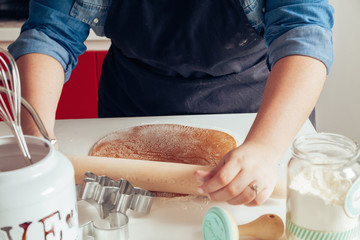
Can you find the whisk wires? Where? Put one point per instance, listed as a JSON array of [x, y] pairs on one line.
[[10, 110]]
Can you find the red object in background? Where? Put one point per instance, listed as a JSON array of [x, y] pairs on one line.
[[79, 96]]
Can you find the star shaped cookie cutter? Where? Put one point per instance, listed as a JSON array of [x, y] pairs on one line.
[[102, 205]]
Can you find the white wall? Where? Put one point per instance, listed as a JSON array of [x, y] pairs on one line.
[[338, 109]]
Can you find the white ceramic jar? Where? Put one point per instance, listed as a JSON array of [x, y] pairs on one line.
[[37, 202]]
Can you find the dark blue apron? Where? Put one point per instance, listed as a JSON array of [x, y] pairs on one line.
[[173, 57]]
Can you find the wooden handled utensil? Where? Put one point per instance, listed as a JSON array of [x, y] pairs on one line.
[[219, 224], [150, 175]]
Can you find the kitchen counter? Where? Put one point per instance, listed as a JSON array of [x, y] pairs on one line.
[[10, 30], [181, 218]]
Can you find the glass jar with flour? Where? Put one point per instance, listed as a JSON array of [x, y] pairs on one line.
[[323, 187]]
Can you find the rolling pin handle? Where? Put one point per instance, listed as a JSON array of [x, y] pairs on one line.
[[219, 224]]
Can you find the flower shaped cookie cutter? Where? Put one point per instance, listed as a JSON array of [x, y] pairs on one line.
[[102, 205]]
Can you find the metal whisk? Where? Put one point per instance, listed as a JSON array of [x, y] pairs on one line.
[[10, 109]]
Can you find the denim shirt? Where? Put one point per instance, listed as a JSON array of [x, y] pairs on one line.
[[290, 27]]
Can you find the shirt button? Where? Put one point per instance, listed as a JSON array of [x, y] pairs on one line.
[[263, 10], [96, 20]]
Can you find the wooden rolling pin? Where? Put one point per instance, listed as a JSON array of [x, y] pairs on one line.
[[150, 175]]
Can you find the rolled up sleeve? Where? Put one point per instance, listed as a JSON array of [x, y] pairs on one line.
[[299, 28], [52, 31]]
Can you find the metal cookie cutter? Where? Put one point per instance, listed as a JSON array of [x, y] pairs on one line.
[[110, 199], [141, 201], [115, 226]]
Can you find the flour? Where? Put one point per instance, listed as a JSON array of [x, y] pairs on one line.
[[317, 198]]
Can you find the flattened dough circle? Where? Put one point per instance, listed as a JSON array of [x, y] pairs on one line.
[[166, 142]]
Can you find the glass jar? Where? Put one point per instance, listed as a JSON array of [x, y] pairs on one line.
[[38, 201], [323, 185]]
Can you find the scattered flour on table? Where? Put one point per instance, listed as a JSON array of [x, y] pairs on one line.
[[187, 203]]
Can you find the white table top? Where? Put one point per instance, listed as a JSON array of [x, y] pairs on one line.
[[176, 218]]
